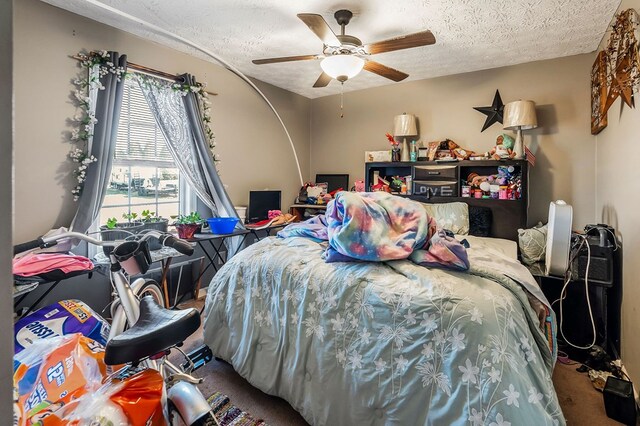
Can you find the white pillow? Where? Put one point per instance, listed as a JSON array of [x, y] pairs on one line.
[[533, 243], [451, 216]]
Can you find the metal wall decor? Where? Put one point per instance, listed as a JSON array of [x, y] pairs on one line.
[[616, 69], [493, 112], [599, 93]]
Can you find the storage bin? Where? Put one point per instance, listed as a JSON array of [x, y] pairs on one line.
[[435, 172]]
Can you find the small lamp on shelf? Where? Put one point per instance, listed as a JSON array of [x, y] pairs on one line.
[[519, 116], [404, 125]]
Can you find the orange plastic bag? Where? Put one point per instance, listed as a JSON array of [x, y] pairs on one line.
[[61, 381], [129, 397]]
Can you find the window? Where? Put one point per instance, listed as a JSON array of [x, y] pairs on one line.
[[144, 175]]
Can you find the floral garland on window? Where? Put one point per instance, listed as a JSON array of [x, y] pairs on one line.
[[94, 65], [205, 108]]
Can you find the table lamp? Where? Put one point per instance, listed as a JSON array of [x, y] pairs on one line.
[[404, 125], [519, 116]]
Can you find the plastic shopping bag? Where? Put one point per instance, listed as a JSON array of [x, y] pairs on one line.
[[51, 373], [132, 396]]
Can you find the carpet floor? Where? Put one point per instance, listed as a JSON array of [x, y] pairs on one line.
[[581, 403]]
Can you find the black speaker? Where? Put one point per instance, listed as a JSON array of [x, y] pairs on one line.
[[601, 267], [619, 402]]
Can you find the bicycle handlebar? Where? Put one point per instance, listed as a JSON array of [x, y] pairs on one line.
[[166, 239], [176, 243], [37, 243]]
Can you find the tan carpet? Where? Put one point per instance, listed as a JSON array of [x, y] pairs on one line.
[[581, 404]]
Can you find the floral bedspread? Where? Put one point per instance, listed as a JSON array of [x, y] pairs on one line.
[[383, 343]]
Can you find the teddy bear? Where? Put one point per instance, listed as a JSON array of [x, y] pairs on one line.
[[503, 149]]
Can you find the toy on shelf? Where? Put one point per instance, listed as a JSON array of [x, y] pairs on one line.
[[395, 147], [503, 148], [393, 184], [448, 150], [505, 185]]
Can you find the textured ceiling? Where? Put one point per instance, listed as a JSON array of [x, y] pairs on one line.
[[470, 34]]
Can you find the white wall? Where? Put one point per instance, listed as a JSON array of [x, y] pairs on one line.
[[562, 143], [254, 149], [6, 208], [617, 204]]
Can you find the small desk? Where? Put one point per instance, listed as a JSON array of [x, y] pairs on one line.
[[212, 252]]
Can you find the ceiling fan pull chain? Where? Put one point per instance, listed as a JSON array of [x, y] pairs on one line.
[[342, 99]]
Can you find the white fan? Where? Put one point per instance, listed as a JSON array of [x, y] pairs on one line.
[[558, 238]]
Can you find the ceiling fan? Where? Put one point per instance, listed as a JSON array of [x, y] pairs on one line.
[[344, 56]]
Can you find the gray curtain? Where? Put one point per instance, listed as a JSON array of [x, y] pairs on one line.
[[213, 183], [180, 120], [102, 146]]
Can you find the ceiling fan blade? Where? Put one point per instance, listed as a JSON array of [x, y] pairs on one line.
[[408, 41], [286, 59], [384, 71], [323, 80], [319, 26]]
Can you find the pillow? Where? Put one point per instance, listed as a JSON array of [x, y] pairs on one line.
[[533, 243], [480, 219], [451, 216]]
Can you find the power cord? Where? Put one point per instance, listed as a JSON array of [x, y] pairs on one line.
[[563, 293]]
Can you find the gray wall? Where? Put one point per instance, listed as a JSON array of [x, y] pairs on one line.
[[617, 203], [6, 207], [254, 149], [444, 106]]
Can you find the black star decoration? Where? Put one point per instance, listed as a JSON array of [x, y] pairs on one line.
[[493, 112]]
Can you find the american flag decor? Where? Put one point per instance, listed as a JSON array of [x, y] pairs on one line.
[[529, 156]]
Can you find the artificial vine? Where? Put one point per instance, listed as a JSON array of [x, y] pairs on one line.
[[94, 65], [205, 108]]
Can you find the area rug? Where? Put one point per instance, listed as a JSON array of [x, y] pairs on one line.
[[229, 414]]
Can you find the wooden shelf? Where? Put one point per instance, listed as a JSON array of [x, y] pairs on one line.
[[508, 215]]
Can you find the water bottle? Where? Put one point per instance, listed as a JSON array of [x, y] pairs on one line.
[[413, 156]]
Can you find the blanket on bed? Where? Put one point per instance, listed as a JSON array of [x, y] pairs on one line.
[[384, 343], [378, 226]]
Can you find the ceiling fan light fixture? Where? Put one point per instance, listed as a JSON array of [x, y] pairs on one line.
[[342, 67]]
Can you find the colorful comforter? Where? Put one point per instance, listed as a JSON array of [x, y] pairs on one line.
[[377, 226], [384, 343]]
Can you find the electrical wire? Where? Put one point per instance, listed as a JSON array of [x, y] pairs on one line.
[[213, 56], [563, 295]]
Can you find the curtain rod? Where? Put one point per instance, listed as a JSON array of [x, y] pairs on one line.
[[150, 71]]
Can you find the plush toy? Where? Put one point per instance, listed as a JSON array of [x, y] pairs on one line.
[[505, 175], [503, 148], [475, 180]]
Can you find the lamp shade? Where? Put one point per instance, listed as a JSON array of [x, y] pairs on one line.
[[520, 115], [342, 67], [404, 125]]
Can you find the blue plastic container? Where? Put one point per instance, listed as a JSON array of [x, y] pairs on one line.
[[222, 225]]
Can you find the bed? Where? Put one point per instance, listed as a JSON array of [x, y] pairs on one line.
[[387, 343]]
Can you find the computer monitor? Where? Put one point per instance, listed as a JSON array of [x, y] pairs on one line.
[[334, 181], [260, 202]]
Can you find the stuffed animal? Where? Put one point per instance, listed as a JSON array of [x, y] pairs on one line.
[[503, 148], [475, 180]]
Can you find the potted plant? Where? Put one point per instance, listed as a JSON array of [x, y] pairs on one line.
[[114, 230], [187, 225]]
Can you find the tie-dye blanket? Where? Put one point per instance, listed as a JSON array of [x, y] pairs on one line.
[[377, 226]]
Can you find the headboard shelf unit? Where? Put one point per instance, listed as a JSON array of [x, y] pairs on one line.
[[434, 182]]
